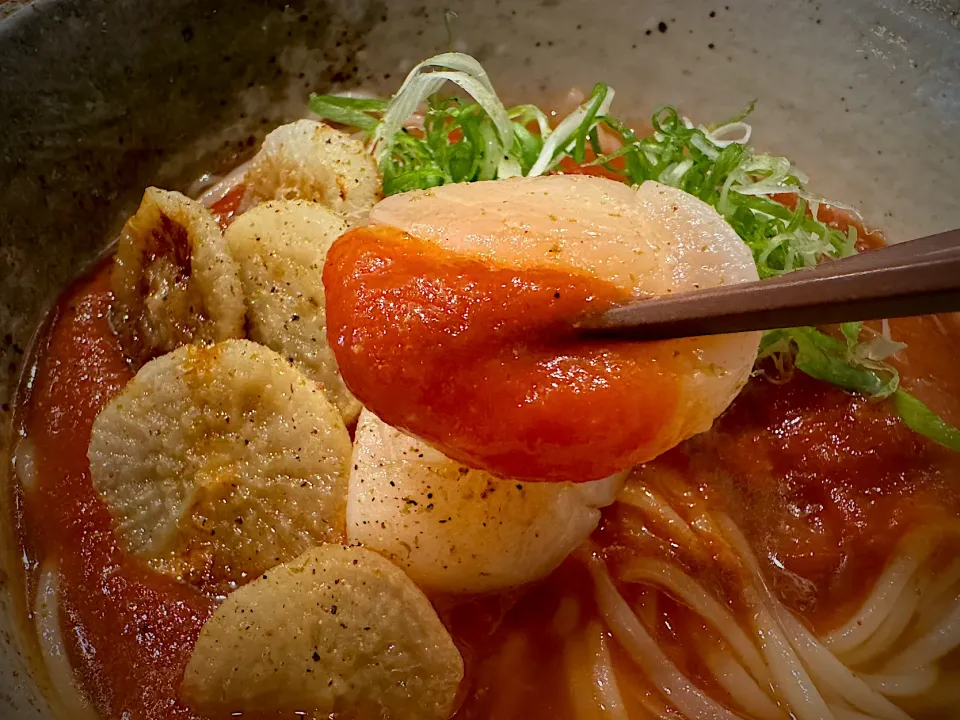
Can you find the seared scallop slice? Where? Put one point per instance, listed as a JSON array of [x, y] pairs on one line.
[[219, 462], [308, 160], [173, 281], [472, 282], [650, 241], [281, 246], [337, 630], [454, 529]]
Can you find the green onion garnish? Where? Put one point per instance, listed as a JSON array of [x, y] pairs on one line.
[[460, 140]]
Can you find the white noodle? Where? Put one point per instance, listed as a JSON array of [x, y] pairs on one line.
[[843, 713], [655, 707], [943, 582], [937, 642], [24, 464], [580, 689], [790, 676], [882, 598], [938, 599], [908, 684], [712, 610], [47, 619], [832, 673], [514, 654], [634, 638], [646, 605], [592, 684], [823, 664], [604, 679], [660, 512], [806, 672], [741, 687], [890, 629], [944, 695]]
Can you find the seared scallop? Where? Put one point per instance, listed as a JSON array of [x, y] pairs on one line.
[[454, 529], [308, 160], [337, 630], [174, 282], [450, 315], [281, 246], [219, 462]]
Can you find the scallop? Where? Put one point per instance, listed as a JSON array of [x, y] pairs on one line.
[[308, 160], [336, 631], [458, 530], [219, 462], [460, 274], [174, 282], [650, 240], [281, 246]]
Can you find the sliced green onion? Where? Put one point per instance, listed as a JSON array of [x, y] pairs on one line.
[[824, 358], [467, 141], [572, 129], [921, 419], [355, 112]]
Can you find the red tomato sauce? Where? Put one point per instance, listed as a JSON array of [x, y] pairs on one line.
[[228, 207], [466, 354], [614, 170], [823, 483], [128, 630]]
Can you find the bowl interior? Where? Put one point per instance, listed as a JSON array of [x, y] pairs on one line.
[[99, 99]]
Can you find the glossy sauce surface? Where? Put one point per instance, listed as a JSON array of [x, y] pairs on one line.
[[473, 357], [829, 482], [228, 207], [823, 483], [128, 630]]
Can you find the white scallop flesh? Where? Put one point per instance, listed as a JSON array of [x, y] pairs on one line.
[[649, 240], [281, 247], [336, 632], [308, 160], [173, 280], [459, 530], [221, 461]]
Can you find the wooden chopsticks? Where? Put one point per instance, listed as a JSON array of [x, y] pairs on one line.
[[917, 277]]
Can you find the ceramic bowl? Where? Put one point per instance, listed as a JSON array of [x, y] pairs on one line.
[[99, 98]]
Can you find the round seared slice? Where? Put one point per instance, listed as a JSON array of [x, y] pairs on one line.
[[218, 462], [173, 281], [308, 160], [337, 630], [451, 311], [454, 529], [281, 246]]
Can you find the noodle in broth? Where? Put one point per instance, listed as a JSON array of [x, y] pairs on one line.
[[796, 560]]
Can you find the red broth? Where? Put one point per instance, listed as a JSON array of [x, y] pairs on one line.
[[129, 631], [823, 483]]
